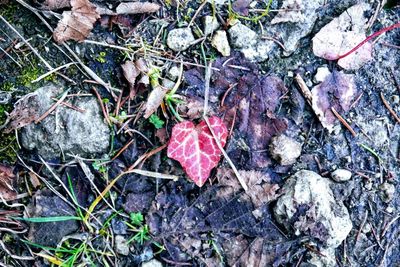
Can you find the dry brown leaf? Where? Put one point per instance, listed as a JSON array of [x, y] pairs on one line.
[[137, 8], [131, 72], [154, 100], [77, 23], [56, 4], [25, 111], [6, 179], [261, 190]]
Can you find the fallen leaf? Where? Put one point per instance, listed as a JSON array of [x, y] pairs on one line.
[[6, 179], [341, 35], [192, 108], [261, 189], [55, 4], [338, 90], [154, 100], [130, 73], [137, 8], [195, 148], [25, 111], [241, 7], [77, 23]]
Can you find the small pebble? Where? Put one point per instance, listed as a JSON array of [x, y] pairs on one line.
[[210, 24], [341, 175], [121, 245]]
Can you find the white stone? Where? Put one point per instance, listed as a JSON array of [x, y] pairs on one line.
[[210, 24], [284, 149], [180, 39], [220, 42], [341, 175], [321, 74], [217, 2]]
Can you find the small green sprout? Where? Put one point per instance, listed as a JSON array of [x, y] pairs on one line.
[[136, 218], [156, 121], [101, 57]]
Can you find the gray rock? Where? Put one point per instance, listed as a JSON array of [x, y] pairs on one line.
[[242, 36], [210, 24], [220, 42], [309, 207], [329, 259], [284, 149], [46, 204], [341, 175], [121, 245], [180, 39], [66, 130], [152, 263]]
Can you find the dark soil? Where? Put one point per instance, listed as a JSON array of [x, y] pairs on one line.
[[183, 225]]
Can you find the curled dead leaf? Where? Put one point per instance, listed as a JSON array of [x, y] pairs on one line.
[[137, 8], [25, 111], [77, 23], [154, 100], [6, 179], [131, 72]]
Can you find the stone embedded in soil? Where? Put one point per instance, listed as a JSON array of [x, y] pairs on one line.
[[210, 24], [241, 36], [180, 39], [341, 175], [216, 2], [220, 42], [284, 149], [46, 204], [121, 245], [308, 207], [66, 131], [321, 75]]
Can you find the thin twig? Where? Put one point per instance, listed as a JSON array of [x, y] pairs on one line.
[[27, 43], [389, 108], [343, 121], [389, 224], [361, 227], [53, 107], [52, 71]]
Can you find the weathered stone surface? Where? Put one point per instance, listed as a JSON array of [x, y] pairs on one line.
[[284, 149], [309, 207], [180, 39], [66, 130]]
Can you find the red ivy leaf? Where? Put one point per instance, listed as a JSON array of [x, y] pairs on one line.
[[195, 148]]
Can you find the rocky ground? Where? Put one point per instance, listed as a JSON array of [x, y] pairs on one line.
[[113, 115]]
